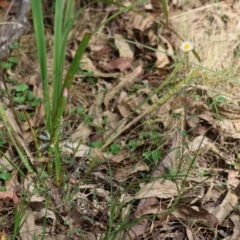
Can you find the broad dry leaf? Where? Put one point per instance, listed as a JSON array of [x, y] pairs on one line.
[[120, 63], [45, 213], [186, 213], [134, 101], [112, 120], [135, 231], [162, 57], [97, 110], [3, 235], [226, 207], [123, 155], [9, 195], [235, 218], [13, 183], [70, 147], [4, 4], [190, 234], [162, 54], [125, 49], [150, 209], [102, 193], [229, 128], [233, 179], [122, 174], [160, 189], [139, 22], [82, 133], [88, 66], [200, 142], [126, 81], [170, 158], [204, 144], [28, 230], [122, 105]]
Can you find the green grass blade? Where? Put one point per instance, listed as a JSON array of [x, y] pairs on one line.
[[75, 63], [165, 8], [67, 84], [41, 50], [68, 13], [57, 165], [58, 61]]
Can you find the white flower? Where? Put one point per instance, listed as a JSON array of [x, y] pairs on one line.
[[187, 46]]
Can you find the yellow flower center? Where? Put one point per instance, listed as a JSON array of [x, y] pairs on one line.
[[187, 46]]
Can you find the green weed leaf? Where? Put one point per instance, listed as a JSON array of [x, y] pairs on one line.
[[115, 149], [21, 87], [5, 176], [35, 102]]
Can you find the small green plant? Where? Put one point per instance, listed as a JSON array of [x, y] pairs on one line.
[[24, 95], [12, 61], [4, 176]]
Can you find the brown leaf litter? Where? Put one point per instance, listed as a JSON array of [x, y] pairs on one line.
[[182, 184]]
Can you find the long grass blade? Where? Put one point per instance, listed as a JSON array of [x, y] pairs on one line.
[[165, 8], [58, 60], [41, 50]]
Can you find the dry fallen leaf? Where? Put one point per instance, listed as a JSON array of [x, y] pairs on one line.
[[78, 150], [230, 128], [186, 212], [202, 143], [126, 81], [226, 207], [121, 63], [123, 173], [235, 218], [29, 230], [160, 189], [88, 66], [9, 195], [125, 49], [3, 235]]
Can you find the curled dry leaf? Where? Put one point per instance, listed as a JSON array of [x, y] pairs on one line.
[[112, 121], [160, 189], [204, 144], [121, 63], [70, 147], [122, 174], [230, 128], [138, 22], [125, 49], [122, 104], [9, 195], [150, 209], [82, 133], [45, 213], [134, 232], [126, 81], [29, 230], [226, 207], [186, 212], [88, 66], [235, 218], [233, 179], [4, 4]]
